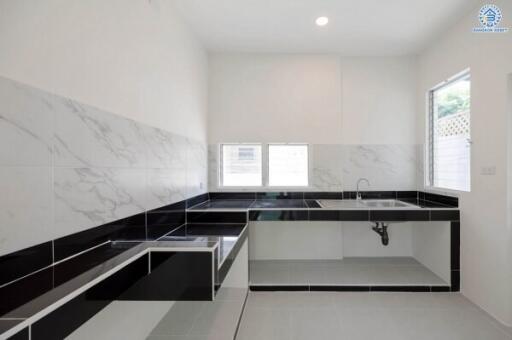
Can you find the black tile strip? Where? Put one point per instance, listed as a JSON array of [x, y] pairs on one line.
[[455, 278], [21, 335], [440, 289], [279, 195], [232, 195], [24, 290], [455, 245], [165, 219], [216, 217], [279, 288], [25, 261], [399, 215], [400, 288], [370, 195], [445, 215], [67, 318], [407, 194], [130, 228], [336, 288], [339, 215], [340, 288], [75, 266], [327, 195], [447, 200], [278, 215], [196, 200], [6, 325], [175, 276]]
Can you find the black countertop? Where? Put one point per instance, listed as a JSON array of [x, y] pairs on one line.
[[261, 204], [32, 294]]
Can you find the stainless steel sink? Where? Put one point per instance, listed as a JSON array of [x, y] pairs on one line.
[[388, 204], [365, 204]]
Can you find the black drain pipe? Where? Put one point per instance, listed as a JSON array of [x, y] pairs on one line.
[[382, 229]]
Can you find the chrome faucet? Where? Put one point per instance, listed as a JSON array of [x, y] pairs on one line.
[[358, 193]]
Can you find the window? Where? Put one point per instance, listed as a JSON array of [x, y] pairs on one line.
[[287, 165], [241, 165], [449, 134]]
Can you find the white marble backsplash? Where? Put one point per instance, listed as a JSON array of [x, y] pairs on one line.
[[67, 166], [337, 167]]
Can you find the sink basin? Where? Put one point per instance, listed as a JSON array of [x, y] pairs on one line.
[[342, 204], [364, 204], [387, 204]]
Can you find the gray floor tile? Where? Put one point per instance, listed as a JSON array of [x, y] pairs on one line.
[[366, 316]]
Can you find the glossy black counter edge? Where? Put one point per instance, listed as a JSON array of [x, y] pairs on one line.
[[30, 287], [194, 282], [25, 261], [148, 225], [228, 262], [279, 215], [216, 217], [184, 287], [5, 325], [64, 320], [24, 334], [448, 201], [128, 251], [130, 228], [161, 221]]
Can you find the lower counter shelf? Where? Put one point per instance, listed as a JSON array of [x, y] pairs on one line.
[[353, 273]]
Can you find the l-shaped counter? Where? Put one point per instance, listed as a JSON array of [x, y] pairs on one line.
[[202, 251]]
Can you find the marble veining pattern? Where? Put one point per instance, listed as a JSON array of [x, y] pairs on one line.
[[26, 118], [86, 136], [75, 166], [88, 197], [337, 167], [387, 167]]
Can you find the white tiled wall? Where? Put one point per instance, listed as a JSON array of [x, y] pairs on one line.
[[66, 166], [337, 167]]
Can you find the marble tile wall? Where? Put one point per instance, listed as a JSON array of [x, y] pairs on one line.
[[66, 167], [337, 167]]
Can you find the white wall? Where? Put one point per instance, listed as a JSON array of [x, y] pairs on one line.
[[379, 100], [274, 98], [358, 114], [132, 58], [485, 221], [360, 240], [431, 247], [295, 240], [318, 99], [107, 112]]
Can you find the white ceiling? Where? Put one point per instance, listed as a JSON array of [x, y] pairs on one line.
[[356, 27]]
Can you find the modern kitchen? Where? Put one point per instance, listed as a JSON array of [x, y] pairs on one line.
[[242, 170]]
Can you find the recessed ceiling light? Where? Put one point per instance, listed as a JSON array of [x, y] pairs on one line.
[[322, 21]]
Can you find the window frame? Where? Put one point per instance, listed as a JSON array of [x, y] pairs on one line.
[[429, 149], [221, 166], [267, 167]]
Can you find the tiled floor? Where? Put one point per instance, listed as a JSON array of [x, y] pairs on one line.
[[155, 320], [349, 271], [365, 316]]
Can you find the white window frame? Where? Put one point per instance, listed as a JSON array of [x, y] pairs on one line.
[[265, 170], [221, 166], [267, 167], [429, 144]]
